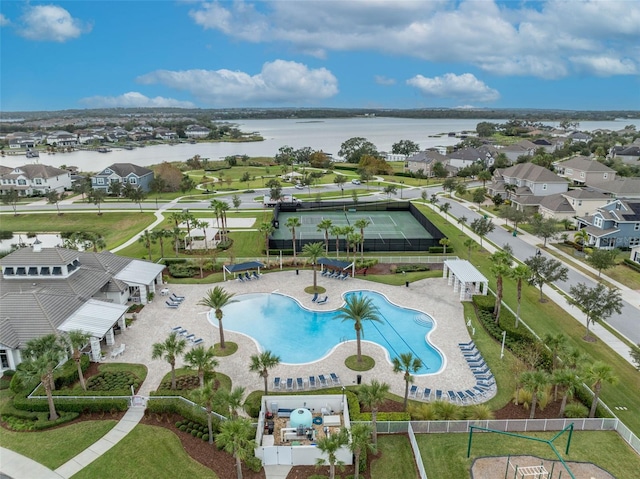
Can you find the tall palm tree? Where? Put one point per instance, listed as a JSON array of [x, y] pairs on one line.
[[205, 395], [313, 251], [362, 224], [325, 225], [169, 350], [330, 445], [360, 442], [358, 309], [569, 382], [336, 231], [147, 239], [500, 266], [346, 231], [189, 220], [261, 363], [372, 396], [203, 226], [160, 236], [293, 222], [534, 382], [203, 360], [224, 207], [40, 357], [267, 229], [354, 239], [557, 344], [236, 438], [230, 400], [509, 188], [520, 274], [597, 374], [407, 364], [216, 299], [176, 233], [582, 237], [444, 242], [76, 340]]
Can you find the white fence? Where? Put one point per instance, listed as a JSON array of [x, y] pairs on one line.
[[416, 453]]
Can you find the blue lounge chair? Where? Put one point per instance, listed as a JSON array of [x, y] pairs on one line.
[[289, 384], [452, 396], [467, 347], [176, 298], [247, 277], [325, 272], [190, 337], [426, 394], [255, 275], [323, 300], [240, 278], [413, 391], [478, 371], [334, 378], [276, 384], [471, 395], [197, 341], [312, 382], [345, 275], [172, 305], [323, 380], [480, 390], [461, 396], [470, 343], [300, 384], [315, 297], [438, 395], [472, 355], [177, 329]]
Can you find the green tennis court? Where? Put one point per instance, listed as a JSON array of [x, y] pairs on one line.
[[382, 225]]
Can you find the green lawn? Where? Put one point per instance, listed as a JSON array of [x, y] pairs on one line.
[[55, 447], [148, 451], [445, 455], [548, 317], [396, 459]]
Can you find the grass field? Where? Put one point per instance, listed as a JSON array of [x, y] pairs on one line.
[[396, 459], [445, 455]]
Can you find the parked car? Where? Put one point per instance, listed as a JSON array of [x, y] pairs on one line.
[[299, 186], [355, 182]]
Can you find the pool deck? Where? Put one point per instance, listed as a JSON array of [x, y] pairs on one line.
[[432, 296]]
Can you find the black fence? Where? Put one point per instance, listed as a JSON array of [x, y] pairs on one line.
[[370, 244]]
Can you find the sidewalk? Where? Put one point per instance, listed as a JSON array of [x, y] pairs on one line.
[[17, 466]]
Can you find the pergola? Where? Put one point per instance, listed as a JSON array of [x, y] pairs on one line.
[[465, 278], [237, 268], [337, 265]]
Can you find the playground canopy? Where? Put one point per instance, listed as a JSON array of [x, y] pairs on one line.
[[336, 264], [237, 268]]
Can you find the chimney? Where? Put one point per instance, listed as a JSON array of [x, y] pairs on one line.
[[37, 246]]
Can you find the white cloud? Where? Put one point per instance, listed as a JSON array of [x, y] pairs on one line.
[[279, 81], [450, 85], [4, 21], [605, 65], [50, 23], [383, 80], [539, 39], [134, 99]]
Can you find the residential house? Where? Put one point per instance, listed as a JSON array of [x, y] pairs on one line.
[[635, 254], [197, 131], [165, 134], [516, 150], [484, 155], [62, 138], [615, 225], [36, 179], [549, 144], [628, 188], [424, 160], [571, 204], [584, 171], [53, 290], [123, 173], [580, 137], [629, 154]]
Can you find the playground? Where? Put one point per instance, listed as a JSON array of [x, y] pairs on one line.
[[533, 467]]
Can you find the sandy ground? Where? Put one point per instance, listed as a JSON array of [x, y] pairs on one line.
[[493, 467]]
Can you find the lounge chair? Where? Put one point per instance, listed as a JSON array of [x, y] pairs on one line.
[[315, 297], [172, 305], [255, 275], [487, 384], [470, 343], [334, 378], [300, 384], [197, 341], [413, 391], [177, 329], [480, 390], [473, 396], [325, 272], [240, 278], [333, 274], [452, 396], [276, 384], [323, 300], [472, 355], [467, 347], [247, 277], [176, 298], [478, 371], [462, 396], [190, 337], [312, 382], [426, 394], [438, 395], [289, 384], [323, 380]]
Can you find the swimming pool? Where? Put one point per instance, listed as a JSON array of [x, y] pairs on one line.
[[280, 324]]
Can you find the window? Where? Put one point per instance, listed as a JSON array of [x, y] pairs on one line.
[[582, 174], [8, 271], [4, 359], [605, 176], [22, 182], [579, 202], [597, 222], [57, 270], [637, 226], [45, 271], [544, 186], [21, 271], [100, 181], [133, 180], [38, 181], [33, 271], [634, 241], [569, 171]]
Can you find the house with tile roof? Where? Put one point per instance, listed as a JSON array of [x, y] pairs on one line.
[[35, 179], [628, 188], [614, 225], [134, 175], [53, 290], [584, 171]]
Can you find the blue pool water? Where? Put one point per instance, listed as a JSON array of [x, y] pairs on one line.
[[281, 325]]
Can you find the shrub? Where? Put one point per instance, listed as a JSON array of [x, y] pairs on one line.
[[366, 263], [182, 270], [576, 410], [67, 375], [225, 245], [411, 268], [183, 427], [170, 261], [205, 437], [253, 463], [16, 385], [178, 424], [252, 405], [632, 264]]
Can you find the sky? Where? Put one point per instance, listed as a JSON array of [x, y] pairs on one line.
[[571, 54]]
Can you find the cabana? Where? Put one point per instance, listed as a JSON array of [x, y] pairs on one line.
[[328, 263], [465, 278], [240, 267]]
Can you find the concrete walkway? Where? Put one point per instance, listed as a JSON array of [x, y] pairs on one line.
[[17, 466]]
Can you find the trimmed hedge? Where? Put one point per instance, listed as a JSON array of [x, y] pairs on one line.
[[632, 264], [177, 406], [71, 405], [411, 268], [170, 261], [440, 249], [67, 375]]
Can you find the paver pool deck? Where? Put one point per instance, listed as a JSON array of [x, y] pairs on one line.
[[432, 296]]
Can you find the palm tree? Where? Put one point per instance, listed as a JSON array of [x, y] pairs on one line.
[[500, 267], [147, 239], [407, 364], [169, 350], [509, 188], [261, 363], [176, 234], [203, 360], [462, 221], [216, 299], [569, 382], [293, 222], [582, 237], [469, 243], [40, 357], [77, 339], [336, 231], [595, 375], [230, 401], [444, 242], [267, 229], [236, 438], [358, 308], [557, 344], [160, 236], [325, 225], [362, 224], [520, 273], [534, 382], [371, 396], [203, 226], [360, 442], [313, 251], [204, 395], [54, 198], [330, 445], [97, 197]]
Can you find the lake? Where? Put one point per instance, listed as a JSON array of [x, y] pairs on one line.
[[326, 135]]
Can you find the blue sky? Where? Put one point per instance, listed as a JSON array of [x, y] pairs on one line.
[[577, 54]]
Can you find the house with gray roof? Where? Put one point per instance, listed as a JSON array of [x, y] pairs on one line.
[[573, 203], [615, 225], [35, 179], [584, 171], [629, 154], [134, 175], [53, 290], [484, 155], [424, 160], [516, 150], [628, 188]]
